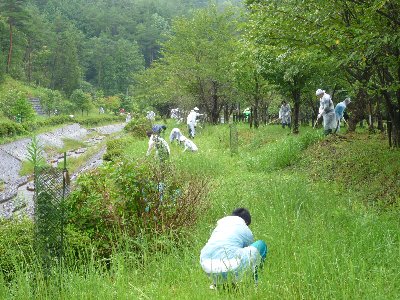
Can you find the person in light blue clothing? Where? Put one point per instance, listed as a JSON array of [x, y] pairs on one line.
[[231, 252], [339, 111]]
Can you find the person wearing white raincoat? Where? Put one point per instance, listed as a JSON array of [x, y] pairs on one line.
[[284, 114], [339, 111], [162, 148], [150, 115], [191, 122], [175, 135], [188, 144], [231, 252], [326, 110]]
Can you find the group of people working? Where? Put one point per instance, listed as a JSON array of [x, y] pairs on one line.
[[160, 144], [231, 252], [332, 116]]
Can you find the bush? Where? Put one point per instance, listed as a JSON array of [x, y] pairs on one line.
[[9, 129], [23, 110], [134, 197], [58, 120], [98, 120], [16, 245], [138, 127], [115, 149]]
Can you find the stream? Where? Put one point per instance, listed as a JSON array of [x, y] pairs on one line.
[[16, 195]]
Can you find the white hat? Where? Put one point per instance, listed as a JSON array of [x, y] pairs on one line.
[[319, 92], [347, 100], [196, 108]]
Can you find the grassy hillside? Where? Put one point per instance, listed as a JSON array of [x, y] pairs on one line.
[[11, 84], [29, 91], [327, 208]]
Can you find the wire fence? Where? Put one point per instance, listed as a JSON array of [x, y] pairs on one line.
[[51, 188]]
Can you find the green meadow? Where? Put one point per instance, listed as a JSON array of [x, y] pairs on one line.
[[328, 209]]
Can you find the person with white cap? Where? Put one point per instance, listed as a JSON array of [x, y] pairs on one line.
[[191, 121], [326, 110], [188, 144], [339, 111]]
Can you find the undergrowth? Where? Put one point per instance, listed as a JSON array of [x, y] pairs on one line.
[[361, 164], [312, 200]]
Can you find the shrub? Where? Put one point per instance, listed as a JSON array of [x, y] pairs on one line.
[[115, 149], [9, 128], [33, 125], [16, 237], [134, 197], [98, 120], [8, 100], [22, 109], [58, 120], [138, 127]]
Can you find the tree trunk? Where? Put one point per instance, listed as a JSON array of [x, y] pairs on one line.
[[370, 117], [296, 98], [379, 115], [255, 110], [256, 101], [392, 109], [251, 117], [358, 110], [393, 121], [10, 50], [214, 107], [226, 113], [29, 61], [264, 113]]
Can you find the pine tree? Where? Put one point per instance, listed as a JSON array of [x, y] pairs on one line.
[[14, 11]]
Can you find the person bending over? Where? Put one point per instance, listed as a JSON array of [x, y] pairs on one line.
[[158, 129], [231, 252], [188, 144], [175, 135], [161, 146]]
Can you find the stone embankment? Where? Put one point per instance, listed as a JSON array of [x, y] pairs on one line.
[[15, 190]]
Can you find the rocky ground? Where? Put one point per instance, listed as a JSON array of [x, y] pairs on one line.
[[16, 193]]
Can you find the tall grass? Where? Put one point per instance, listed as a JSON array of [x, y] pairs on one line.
[[323, 243]]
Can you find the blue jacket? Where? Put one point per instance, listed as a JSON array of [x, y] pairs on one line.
[[158, 128], [339, 110]]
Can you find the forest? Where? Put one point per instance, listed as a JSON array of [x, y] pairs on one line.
[[222, 56]]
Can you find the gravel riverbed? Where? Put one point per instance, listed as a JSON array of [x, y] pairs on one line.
[[14, 195]]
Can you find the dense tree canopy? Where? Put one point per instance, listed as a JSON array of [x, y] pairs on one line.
[[356, 45], [163, 53], [59, 44]]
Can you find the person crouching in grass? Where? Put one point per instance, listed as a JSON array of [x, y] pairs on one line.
[[230, 252]]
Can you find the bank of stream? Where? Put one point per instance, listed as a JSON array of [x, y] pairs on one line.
[[16, 194]]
